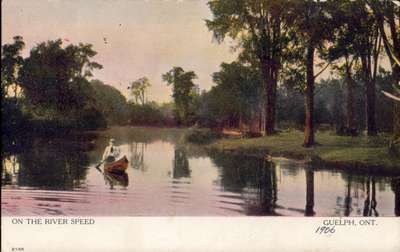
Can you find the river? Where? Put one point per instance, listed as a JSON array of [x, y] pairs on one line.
[[57, 176]]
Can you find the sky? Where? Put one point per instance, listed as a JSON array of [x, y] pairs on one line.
[[133, 38]]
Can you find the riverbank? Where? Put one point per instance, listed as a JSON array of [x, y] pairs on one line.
[[332, 151]]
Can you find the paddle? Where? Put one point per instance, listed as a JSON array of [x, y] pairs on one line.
[[102, 172], [97, 166]]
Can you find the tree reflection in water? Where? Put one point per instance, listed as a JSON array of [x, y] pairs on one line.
[[137, 150], [180, 164], [244, 184], [267, 188], [370, 198], [254, 178], [348, 199], [309, 210], [52, 166], [360, 195], [9, 170], [395, 185]]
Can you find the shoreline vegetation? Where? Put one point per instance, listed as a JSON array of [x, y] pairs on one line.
[[332, 152], [335, 152]]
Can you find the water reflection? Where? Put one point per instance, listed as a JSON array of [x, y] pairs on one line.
[[180, 164], [61, 168], [137, 151], [370, 199], [395, 185], [348, 198], [10, 170], [266, 190], [254, 178], [309, 210], [113, 179], [60, 177], [257, 180]]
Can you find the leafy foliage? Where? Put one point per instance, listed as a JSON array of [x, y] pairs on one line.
[[236, 96], [151, 113], [182, 92], [138, 89], [11, 61], [110, 102], [56, 77]]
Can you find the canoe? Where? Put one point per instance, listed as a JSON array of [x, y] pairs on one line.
[[232, 133], [118, 166]]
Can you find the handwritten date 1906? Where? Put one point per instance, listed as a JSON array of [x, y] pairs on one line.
[[325, 230]]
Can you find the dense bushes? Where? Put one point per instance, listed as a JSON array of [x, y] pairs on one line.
[[201, 136], [151, 114], [91, 119], [13, 120], [110, 103]]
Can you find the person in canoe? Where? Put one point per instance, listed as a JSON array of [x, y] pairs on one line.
[[111, 152], [111, 160]]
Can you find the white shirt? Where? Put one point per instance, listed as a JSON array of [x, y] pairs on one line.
[[112, 151]]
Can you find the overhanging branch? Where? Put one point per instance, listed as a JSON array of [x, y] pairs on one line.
[[391, 96], [322, 70]]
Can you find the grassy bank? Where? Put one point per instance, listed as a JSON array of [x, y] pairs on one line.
[[339, 152]]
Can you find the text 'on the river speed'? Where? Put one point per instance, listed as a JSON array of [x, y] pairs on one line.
[[53, 221]]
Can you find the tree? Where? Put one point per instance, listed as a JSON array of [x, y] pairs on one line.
[[54, 77], [182, 92], [11, 61], [344, 58], [386, 14], [310, 29], [238, 93], [259, 28], [110, 102], [368, 46], [12, 116], [139, 88]]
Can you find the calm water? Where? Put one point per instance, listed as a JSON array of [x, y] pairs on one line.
[[164, 178]]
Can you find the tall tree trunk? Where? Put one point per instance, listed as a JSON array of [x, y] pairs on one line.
[[270, 108], [309, 99], [350, 114], [396, 119], [274, 80], [369, 97], [275, 65], [269, 98], [396, 105], [370, 108]]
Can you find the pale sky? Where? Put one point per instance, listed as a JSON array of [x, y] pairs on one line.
[[144, 37]]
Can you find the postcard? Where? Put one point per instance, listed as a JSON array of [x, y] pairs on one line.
[[200, 125]]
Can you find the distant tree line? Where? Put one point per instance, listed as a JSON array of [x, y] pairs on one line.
[[236, 98], [51, 91]]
